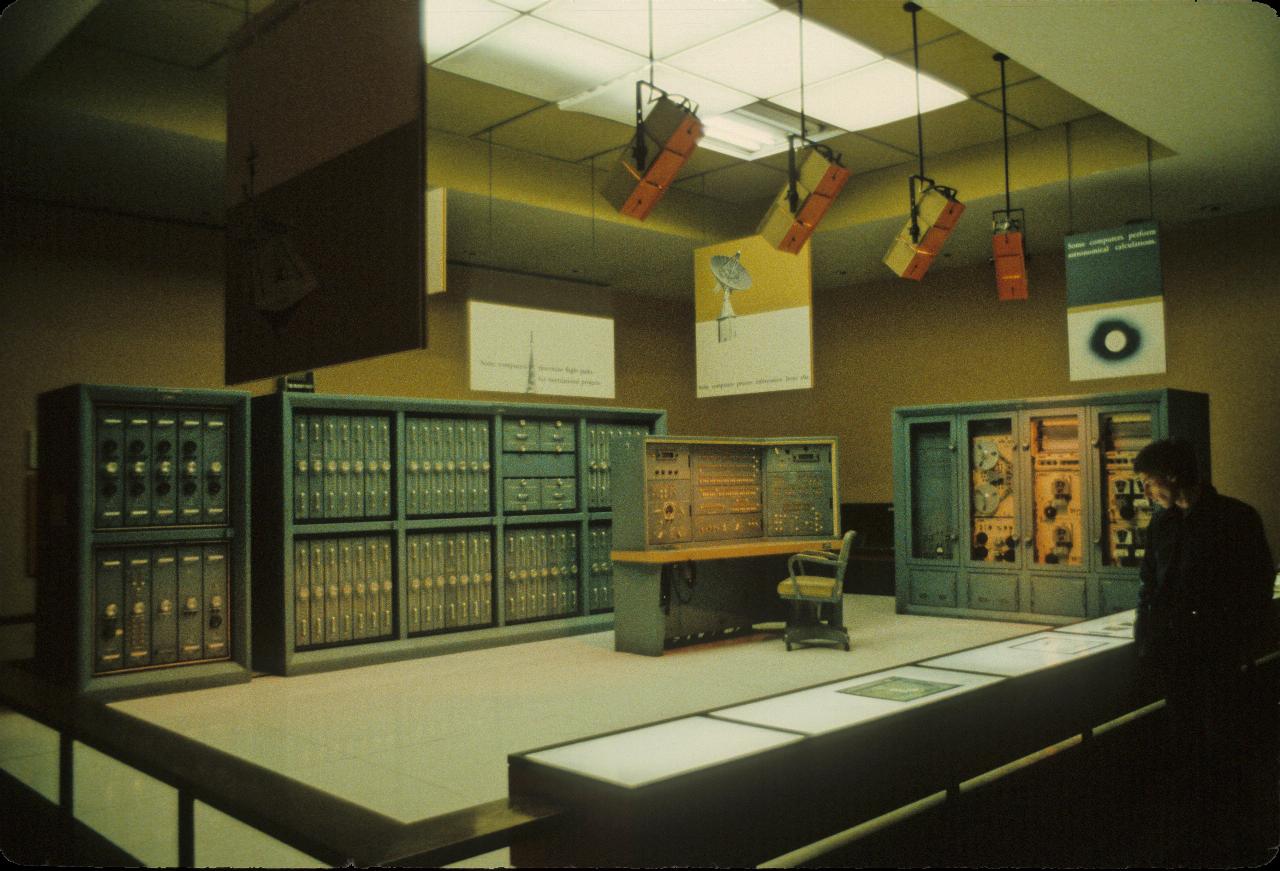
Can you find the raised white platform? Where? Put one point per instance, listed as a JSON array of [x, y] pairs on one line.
[[423, 737]]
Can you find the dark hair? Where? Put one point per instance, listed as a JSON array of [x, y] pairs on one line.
[[1172, 459]]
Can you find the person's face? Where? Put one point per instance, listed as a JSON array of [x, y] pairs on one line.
[[1159, 490]]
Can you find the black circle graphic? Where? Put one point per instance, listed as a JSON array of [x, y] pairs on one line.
[[1124, 336]]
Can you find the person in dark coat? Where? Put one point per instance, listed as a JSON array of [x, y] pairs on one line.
[[1204, 617]]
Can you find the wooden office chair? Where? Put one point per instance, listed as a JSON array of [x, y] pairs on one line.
[[809, 593]]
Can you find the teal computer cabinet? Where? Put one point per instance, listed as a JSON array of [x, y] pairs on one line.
[[143, 527], [389, 528], [1028, 509]]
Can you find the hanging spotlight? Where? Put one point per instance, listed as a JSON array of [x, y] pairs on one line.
[[805, 199], [934, 207], [673, 127], [810, 190], [1007, 251]]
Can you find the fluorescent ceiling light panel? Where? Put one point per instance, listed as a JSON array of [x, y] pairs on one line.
[[757, 131], [451, 24], [763, 58], [537, 58], [677, 24], [871, 96], [617, 99]]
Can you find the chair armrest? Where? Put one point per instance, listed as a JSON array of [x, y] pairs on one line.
[[821, 559]]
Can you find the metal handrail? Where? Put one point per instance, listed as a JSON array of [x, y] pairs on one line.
[[325, 826]]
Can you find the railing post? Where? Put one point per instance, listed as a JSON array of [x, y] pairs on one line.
[[66, 774], [186, 829]]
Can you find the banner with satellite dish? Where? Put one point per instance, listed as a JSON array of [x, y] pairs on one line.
[[1115, 302], [753, 318]]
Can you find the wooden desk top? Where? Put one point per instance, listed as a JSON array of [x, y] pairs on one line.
[[745, 548]]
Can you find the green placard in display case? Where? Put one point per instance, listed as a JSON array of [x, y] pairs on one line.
[[143, 504], [389, 528]]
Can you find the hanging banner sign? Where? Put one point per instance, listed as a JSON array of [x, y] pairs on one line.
[[752, 318], [1115, 302]]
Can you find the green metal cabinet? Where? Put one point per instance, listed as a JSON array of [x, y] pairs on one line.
[[389, 528], [143, 518], [1027, 509]]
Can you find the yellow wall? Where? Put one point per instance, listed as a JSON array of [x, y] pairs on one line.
[[107, 299]]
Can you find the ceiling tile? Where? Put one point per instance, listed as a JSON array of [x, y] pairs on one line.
[[535, 57], [872, 96], [677, 24], [461, 105], [1041, 103], [948, 129], [565, 135], [616, 100], [763, 58], [451, 24]]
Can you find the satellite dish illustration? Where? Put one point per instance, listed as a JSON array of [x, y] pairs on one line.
[[731, 277]]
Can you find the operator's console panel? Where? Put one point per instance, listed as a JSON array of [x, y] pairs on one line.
[[702, 491]]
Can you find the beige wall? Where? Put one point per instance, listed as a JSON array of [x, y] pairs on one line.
[[894, 343], [108, 299]]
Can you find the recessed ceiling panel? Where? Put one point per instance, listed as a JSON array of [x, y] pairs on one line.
[[861, 154], [958, 126], [966, 63], [705, 160], [742, 183], [617, 99], [882, 26], [462, 105], [451, 24], [1042, 103], [537, 58], [873, 95], [763, 58], [554, 133], [677, 24]]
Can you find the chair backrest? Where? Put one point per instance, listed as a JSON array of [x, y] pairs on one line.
[[840, 564], [846, 548]]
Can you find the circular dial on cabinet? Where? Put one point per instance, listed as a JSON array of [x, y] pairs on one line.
[[986, 499], [985, 454]]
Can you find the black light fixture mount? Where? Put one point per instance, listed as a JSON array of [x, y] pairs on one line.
[[1008, 242], [673, 126], [934, 208], [812, 184]]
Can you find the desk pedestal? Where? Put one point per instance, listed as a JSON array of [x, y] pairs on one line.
[[726, 597]]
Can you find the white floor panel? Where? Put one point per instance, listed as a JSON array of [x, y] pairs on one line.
[[423, 737]]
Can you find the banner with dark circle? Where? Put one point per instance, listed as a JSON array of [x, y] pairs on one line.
[[1115, 302]]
